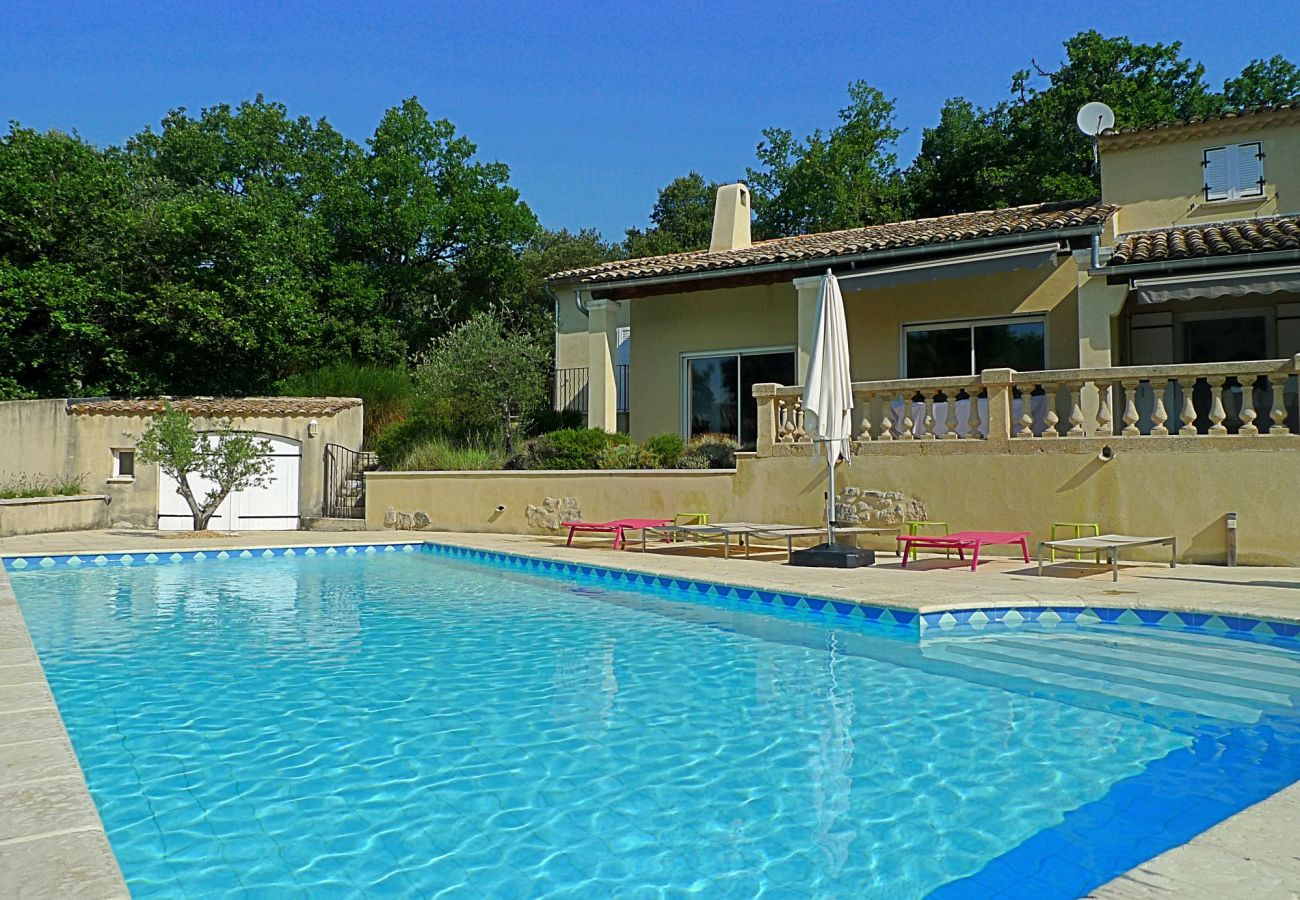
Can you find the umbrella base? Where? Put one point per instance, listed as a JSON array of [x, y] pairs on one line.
[[833, 556]]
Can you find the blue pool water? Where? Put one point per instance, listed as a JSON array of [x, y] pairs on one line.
[[401, 724]]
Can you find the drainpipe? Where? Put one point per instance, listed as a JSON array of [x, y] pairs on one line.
[[1095, 243]]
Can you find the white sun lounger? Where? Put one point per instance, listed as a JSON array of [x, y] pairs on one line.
[[720, 530], [744, 532], [789, 534], [1111, 544]]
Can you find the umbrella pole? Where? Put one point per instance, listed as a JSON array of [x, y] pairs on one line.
[[830, 500]]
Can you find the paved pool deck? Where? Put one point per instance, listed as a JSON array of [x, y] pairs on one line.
[[52, 844]]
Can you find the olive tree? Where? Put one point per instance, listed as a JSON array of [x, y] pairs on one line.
[[224, 458], [481, 377]]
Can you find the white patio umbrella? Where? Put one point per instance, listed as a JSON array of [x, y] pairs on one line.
[[828, 387]]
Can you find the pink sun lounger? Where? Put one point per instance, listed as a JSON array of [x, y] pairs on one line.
[[961, 541], [618, 527]]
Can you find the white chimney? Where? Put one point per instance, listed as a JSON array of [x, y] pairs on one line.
[[730, 218]]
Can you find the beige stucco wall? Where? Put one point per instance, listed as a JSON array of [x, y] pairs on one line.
[[39, 437], [665, 327], [876, 318], [1159, 185], [1180, 486], [41, 515], [571, 339], [468, 501]]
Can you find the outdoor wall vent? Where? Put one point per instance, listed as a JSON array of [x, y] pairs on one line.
[[731, 212]]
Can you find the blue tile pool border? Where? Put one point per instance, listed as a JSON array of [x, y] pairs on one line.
[[931, 625], [35, 561]]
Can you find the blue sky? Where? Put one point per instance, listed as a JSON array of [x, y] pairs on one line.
[[593, 105]]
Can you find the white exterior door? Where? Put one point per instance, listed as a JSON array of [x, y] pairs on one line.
[[273, 507]]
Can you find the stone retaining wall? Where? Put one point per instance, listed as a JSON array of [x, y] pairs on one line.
[[41, 514]]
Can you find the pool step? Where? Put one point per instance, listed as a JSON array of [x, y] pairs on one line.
[[1233, 683]]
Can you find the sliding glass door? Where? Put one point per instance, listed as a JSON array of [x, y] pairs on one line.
[[720, 391]]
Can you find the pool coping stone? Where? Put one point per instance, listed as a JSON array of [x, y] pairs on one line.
[[1228, 854]]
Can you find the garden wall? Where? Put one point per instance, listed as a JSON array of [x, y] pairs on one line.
[[1180, 486], [38, 515]]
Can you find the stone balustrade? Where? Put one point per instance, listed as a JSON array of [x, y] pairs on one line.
[[1217, 400]]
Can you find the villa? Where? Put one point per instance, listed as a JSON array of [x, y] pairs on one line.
[[1106, 358], [1190, 257]]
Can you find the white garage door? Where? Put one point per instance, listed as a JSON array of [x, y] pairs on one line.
[[270, 508]]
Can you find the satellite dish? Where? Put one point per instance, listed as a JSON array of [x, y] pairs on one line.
[[1094, 118]]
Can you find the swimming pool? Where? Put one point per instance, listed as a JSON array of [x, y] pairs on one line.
[[406, 722]]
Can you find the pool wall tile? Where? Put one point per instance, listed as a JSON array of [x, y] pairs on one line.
[[941, 624]]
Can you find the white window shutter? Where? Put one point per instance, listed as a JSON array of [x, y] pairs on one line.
[[1248, 170], [1218, 174]]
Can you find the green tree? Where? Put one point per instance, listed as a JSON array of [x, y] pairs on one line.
[[682, 219], [545, 254], [846, 178], [228, 460], [442, 231], [62, 304], [1264, 82], [480, 378], [966, 162], [1028, 148]]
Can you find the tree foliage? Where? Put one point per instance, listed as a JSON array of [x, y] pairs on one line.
[[1264, 82], [845, 178], [224, 251], [682, 219], [227, 460], [1028, 148], [481, 379]]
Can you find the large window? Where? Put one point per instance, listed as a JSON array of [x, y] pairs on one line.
[[968, 348], [720, 391]]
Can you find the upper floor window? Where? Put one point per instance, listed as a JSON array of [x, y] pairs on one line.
[[1234, 172]]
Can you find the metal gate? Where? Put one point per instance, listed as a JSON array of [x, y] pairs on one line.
[[345, 481]]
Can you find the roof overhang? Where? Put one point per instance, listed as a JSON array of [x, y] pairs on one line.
[[1235, 262], [844, 265], [1210, 285], [990, 262]]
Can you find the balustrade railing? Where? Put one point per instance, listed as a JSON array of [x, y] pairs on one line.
[[1239, 399]]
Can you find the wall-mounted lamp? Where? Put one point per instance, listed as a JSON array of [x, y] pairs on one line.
[[313, 428]]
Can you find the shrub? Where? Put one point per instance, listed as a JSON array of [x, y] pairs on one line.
[[399, 438], [24, 487], [717, 450], [480, 379], [572, 448], [546, 419], [666, 448], [627, 456], [386, 391], [440, 455]]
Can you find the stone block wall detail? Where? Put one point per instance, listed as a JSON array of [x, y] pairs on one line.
[[552, 512]]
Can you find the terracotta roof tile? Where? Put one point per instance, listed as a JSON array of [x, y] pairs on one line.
[[217, 407], [855, 241], [1212, 239], [1197, 120]]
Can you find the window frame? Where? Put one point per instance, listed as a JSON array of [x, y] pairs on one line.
[[970, 324], [1233, 193], [117, 477], [684, 377]]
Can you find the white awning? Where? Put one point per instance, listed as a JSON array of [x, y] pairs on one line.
[[990, 262], [1218, 284]]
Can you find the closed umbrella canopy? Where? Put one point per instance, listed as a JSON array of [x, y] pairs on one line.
[[828, 387]]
